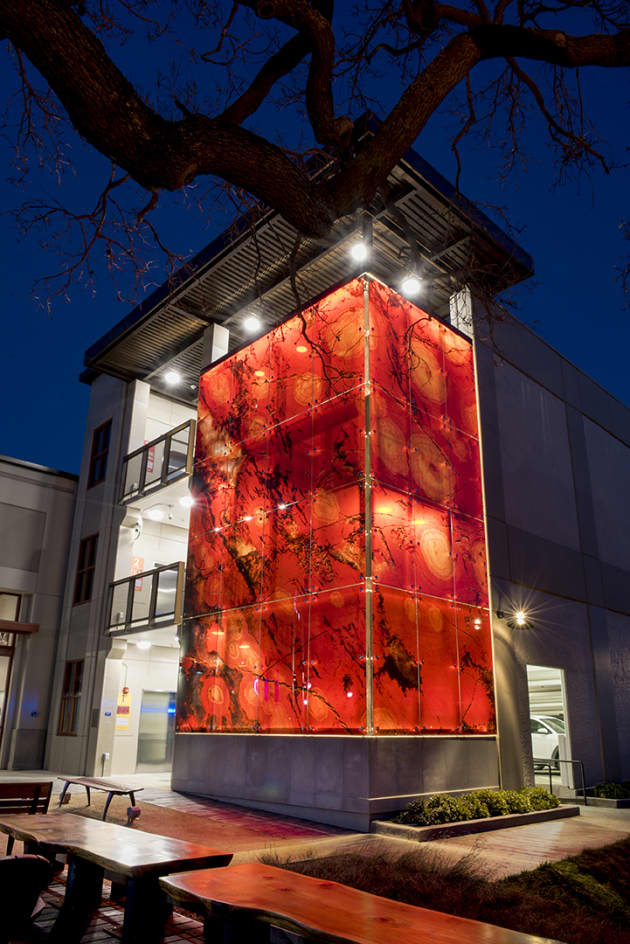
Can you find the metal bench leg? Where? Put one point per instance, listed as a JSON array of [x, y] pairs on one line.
[[132, 798], [63, 792], [10, 844], [110, 796], [88, 793]]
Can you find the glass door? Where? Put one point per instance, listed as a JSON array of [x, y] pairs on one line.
[[156, 732]]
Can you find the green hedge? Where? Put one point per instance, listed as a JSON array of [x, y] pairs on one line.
[[612, 790], [478, 804]]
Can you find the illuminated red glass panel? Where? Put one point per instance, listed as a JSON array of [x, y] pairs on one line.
[[281, 679], [439, 676], [286, 554], [433, 549], [389, 341], [291, 492], [426, 364], [393, 562], [461, 395], [389, 440], [396, 692], [204, 574], [469, 559], [336, 329], [337, 552], [338, 441], [242, 561], [475, 666], [335, 693]]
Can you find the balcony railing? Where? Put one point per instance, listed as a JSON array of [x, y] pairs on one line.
[[153, 598], [159, 462]]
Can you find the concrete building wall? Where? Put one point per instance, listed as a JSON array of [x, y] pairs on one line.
[[36, 508], [556, 466], [138, 416], [82, 634]]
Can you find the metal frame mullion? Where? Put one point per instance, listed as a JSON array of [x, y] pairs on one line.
[[167, 457], [129, 611], [154, 592]]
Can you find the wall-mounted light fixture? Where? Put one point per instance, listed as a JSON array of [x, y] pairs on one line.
[[518, 619]]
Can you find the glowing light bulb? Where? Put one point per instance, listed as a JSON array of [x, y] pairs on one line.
[[252, 324], [187, 501], [172, 377], [411, 284], [359, 251], [520, 617], [301, 349], [259, 373]]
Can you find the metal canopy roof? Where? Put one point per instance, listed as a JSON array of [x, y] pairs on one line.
[[249, 263]]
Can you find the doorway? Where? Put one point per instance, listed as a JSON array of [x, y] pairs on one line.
[[548, 718], [156, 732]]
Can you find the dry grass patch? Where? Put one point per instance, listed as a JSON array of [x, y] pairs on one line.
[[580, 900]]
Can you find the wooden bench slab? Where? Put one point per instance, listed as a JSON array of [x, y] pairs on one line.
[[326, 910], [121, 850], [94, 783]]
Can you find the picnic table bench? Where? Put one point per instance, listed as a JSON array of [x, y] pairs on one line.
[[242, 902], [24, 796], [93, 783], [135, 858]]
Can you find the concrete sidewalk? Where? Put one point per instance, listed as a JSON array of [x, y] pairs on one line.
[[252, 833]]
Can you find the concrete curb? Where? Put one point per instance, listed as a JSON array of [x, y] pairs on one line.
[[607, 802], [427, 833]]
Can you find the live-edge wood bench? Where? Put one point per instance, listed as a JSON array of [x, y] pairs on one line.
[[93, 783], [24, 796], [242, 902]]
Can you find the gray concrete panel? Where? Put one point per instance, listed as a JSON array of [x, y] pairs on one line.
[[616, 583], [535, 459], [518, 344], [498, 549], [490, 439], [619, 640], [604, 409], [605, 693], [558, 636], [545, 565], [609, 468], [337, 780], [582, 482]]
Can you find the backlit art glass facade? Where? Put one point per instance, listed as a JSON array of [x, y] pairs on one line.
[[336, 578]]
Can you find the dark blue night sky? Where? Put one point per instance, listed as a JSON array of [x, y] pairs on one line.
[[574, 301]]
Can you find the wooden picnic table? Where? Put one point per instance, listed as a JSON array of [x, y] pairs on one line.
[[241, 903], [136, 858]]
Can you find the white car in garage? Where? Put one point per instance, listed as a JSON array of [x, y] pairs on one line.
[[545, 730]]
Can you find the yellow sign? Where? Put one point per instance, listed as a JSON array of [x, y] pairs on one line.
[[123, 710]]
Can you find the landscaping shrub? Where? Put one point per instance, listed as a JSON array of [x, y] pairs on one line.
[[517, 802], [478, 804], [541, 799], [612, 790], [494, 800]]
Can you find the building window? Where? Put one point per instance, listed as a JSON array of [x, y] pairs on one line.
[[85, 569], [100, 451], [70, 697]]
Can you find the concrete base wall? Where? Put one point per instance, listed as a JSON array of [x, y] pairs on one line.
[[343, 781]]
